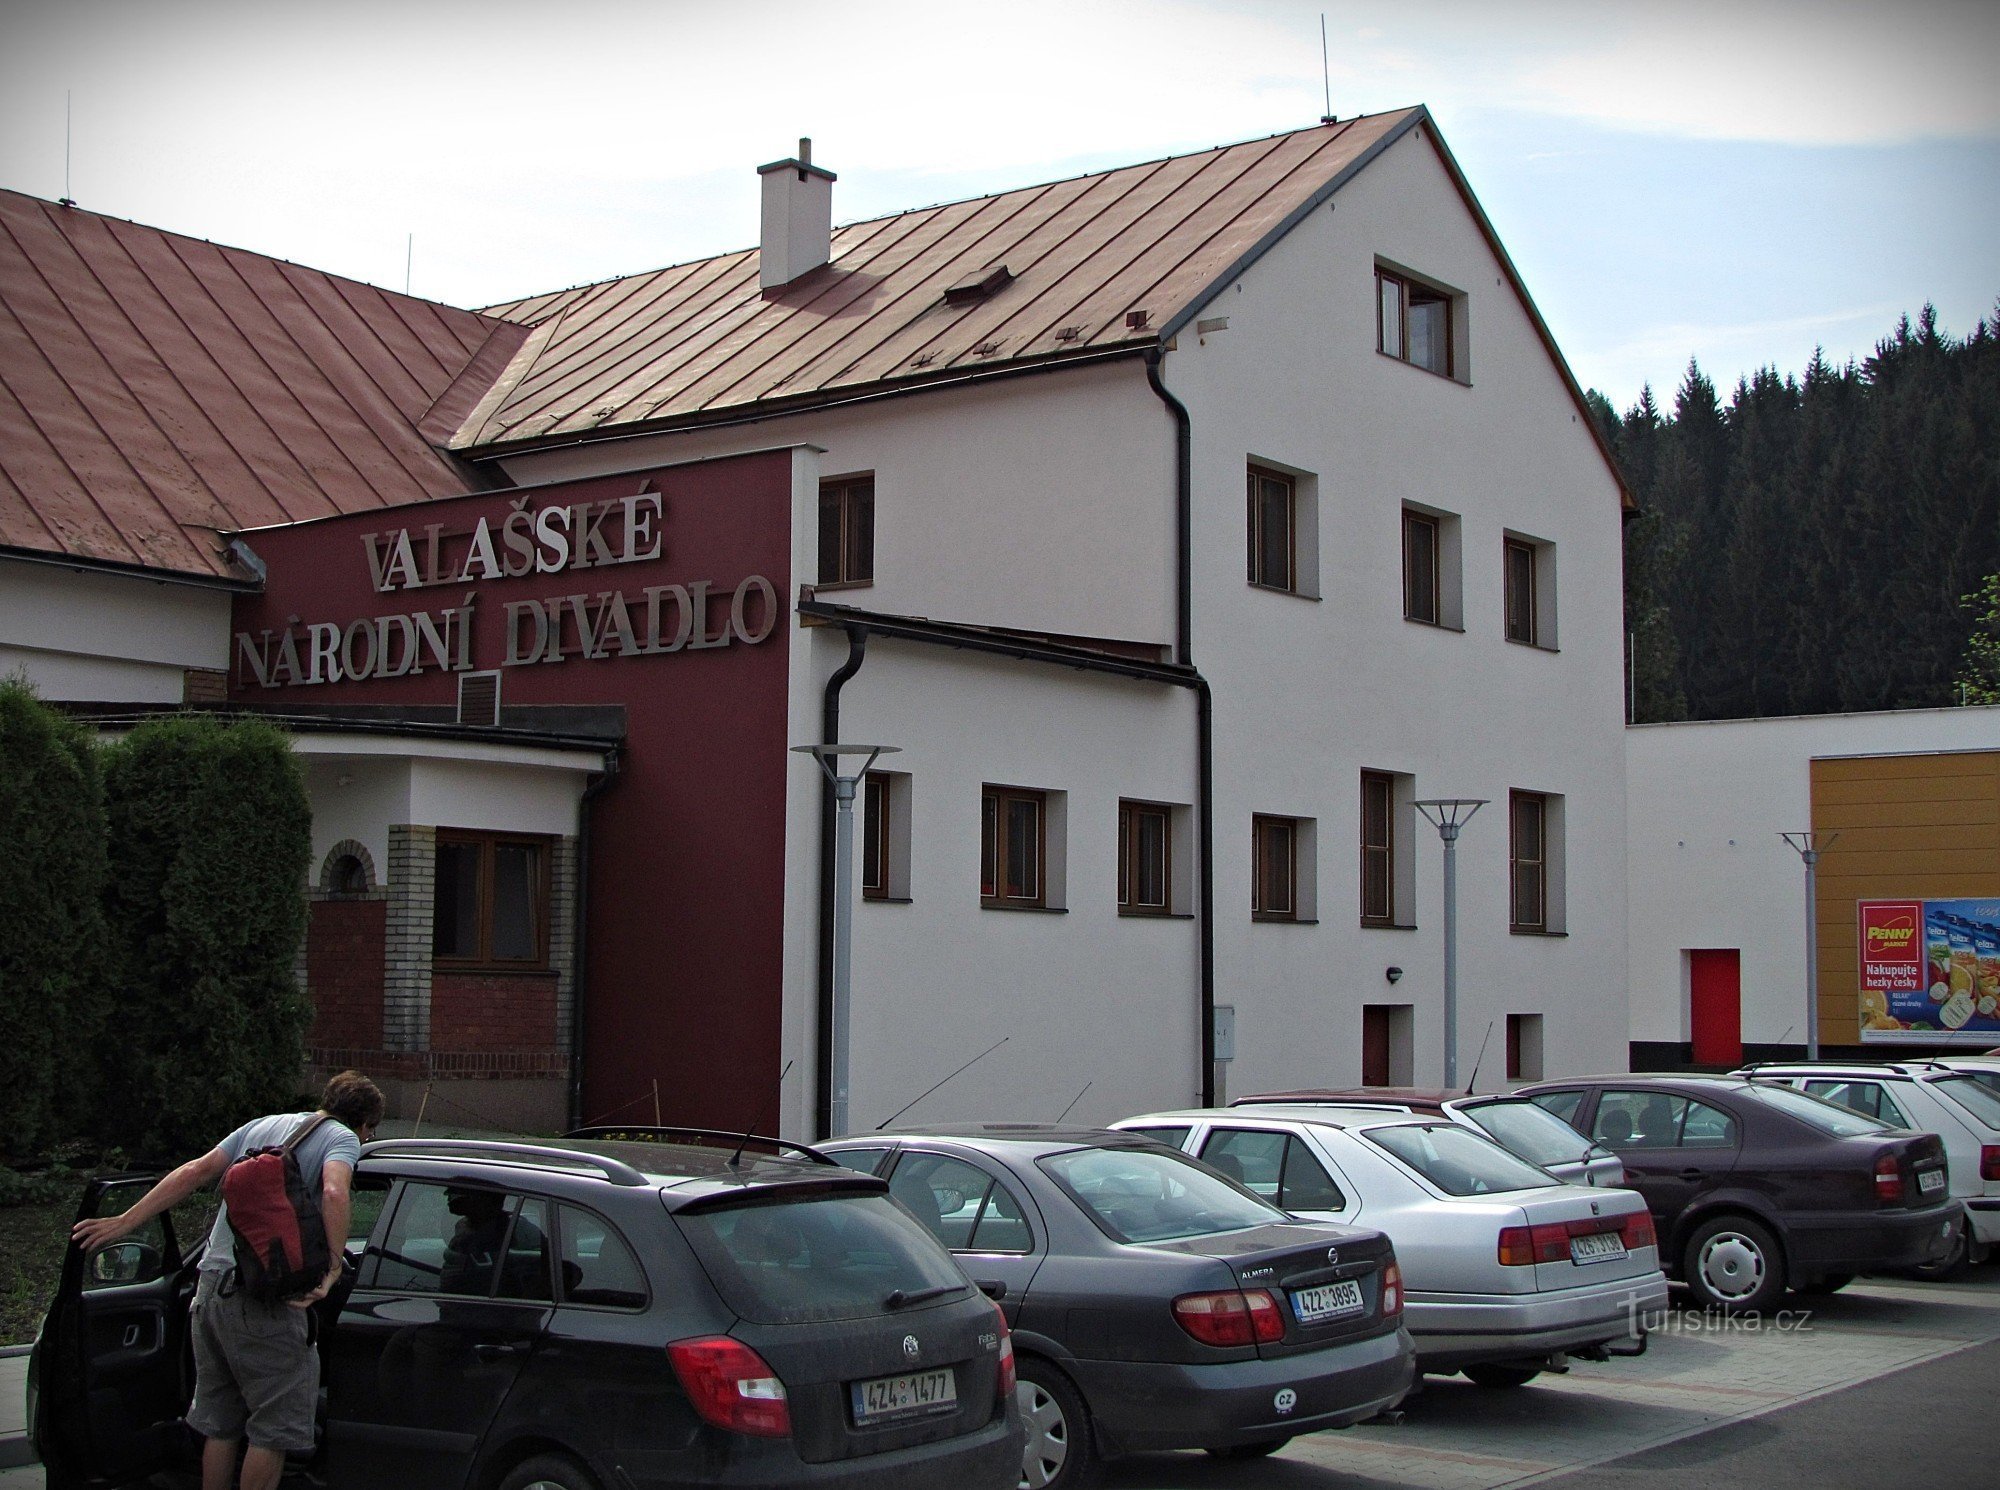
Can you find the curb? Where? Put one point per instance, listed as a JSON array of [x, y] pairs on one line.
[[15, 1452]]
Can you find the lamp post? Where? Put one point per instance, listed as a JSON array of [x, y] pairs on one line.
[[1448, 815], [1809, 846], [844, 784]]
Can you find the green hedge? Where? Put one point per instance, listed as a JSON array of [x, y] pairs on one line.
[[52, 868], [209, 833]]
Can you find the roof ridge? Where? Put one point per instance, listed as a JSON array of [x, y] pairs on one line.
[[862, 222]]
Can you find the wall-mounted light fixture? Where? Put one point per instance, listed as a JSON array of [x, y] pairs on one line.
[[1393, 974]]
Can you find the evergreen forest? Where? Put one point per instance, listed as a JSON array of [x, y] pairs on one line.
[[1820, 543]]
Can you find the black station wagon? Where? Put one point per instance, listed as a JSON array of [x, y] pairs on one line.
[[660, 1314]]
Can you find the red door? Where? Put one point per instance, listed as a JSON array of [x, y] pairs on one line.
[[1715, 1006]]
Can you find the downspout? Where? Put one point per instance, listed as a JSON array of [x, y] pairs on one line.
[[1204, 712], [581, 934], [857, 648]]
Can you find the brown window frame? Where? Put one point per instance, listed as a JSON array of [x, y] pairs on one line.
[[1435, 527], [1129, 816], [875, 798], [1378, 857], [1521, 621], [487, 843], [1407, 292], [1264, 904], [1257, 478], [1535, 865], [994, 860], [853, 560]]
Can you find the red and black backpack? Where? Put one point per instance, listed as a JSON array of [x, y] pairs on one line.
[[281, 1249]]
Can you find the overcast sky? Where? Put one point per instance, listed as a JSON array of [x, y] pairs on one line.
[[1737, 182]]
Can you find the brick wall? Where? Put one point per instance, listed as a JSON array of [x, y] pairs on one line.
[[493, 1012], [344, 949]]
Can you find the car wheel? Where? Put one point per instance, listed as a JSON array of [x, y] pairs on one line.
[[1734, 1263], [1501, 1376], [1831, 1283], [1262, 1450], [549, 1472], [1058, 1454]]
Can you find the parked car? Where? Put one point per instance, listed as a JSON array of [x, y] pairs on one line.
[[1756, 1188], [1984, 1069], [1516, 1124], [661, 1314], [1508, 1269], [1925, 1097], [1154, 1304]]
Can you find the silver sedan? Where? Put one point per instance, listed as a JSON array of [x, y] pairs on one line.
[[1508, 1269]]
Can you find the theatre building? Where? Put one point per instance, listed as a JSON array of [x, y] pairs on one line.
[[1182, 527]]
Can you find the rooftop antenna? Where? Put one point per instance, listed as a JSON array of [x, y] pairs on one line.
[[1074, 1100], [929, 1089], [67, 199], [1326, 73], [1478, 1058], [751, 1131]]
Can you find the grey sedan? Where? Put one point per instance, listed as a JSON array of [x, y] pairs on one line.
[[1154, 1304], [1509, 1270]]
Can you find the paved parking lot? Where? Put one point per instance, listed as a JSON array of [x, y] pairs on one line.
[[1699, 1376]]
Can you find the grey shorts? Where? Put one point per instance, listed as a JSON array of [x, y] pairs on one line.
[[256, 1372]]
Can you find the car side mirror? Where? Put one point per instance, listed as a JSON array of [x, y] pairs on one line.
[[993, 1289]]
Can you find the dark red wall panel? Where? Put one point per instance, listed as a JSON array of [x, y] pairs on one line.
[[344, 969], [686, 925]]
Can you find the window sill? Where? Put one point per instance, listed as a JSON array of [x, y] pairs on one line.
[[842, 584], [493, 969], [1534, 646], [1534, 931], [1131, 914], [1036, 910], [1434, 625], [1265, 919], [887, 900], [1428, 371], [1281, 590], [1388, 926]]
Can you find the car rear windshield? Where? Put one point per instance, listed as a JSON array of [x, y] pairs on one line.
[[1973, 1095], [1457, 1161], [1150, 1195], [806, 1260], [1828, 1117], [1535, 1133]]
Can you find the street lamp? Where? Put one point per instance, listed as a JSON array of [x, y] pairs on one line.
[[844, 784], [1448, 815], [1809, 846]]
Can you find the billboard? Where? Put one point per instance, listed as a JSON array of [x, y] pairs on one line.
[[1930, 971]]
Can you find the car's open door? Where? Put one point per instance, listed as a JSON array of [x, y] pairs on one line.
[[112, 1371]]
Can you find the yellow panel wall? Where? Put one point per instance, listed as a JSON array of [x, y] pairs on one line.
[[1912, 827]]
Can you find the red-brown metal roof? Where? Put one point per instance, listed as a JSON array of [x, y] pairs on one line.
[[700, 339], [156, 390]]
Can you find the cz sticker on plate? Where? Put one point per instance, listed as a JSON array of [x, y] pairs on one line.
[[1328, 1301], [914, 1395]]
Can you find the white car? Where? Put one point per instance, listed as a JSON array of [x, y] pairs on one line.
[[1507, 1270], [1985, 1069], [1926, 1097]]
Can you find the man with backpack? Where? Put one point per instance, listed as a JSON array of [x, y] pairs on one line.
[[256, 1371]]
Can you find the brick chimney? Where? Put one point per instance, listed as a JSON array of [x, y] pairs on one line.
[[798, 218]]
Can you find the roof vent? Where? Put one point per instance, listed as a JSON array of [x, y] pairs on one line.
[[798, 218], [984, 285], [479, 699], [1135, 320]]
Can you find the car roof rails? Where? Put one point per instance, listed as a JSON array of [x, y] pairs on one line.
[[699, 1138], [489, 1152]]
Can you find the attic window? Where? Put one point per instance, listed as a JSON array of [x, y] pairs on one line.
[[981, 286]]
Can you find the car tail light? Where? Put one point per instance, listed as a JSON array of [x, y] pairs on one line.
[[1637, 1229], [1888, 1180], [1523, 1246], [731, 1387], [1005, 1389], [1233, 1317], [1989, 1162], [1392, 1291]]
